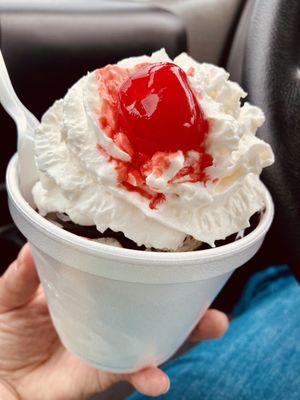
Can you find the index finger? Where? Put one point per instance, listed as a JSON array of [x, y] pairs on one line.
[[212, 325]]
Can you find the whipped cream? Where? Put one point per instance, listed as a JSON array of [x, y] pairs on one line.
[[77, 179]]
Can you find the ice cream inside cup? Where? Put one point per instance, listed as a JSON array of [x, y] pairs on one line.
[[159, 150], [162, 154], [122, 310]]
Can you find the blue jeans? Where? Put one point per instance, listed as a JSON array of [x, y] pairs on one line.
[[258, 358]]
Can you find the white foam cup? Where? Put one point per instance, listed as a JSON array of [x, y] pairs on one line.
[[121, 310]]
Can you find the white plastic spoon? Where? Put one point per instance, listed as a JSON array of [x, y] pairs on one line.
[[26, 123]]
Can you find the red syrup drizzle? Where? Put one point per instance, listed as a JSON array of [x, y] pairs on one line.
[[151, 111]]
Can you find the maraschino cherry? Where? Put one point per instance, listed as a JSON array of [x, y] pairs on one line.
[[158, 111]]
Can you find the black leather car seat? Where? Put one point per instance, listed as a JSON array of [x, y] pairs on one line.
[[269, 70], [264, 59]]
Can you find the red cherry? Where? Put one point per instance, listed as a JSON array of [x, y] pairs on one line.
[[158, 111]]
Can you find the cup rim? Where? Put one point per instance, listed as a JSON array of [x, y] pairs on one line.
[[99, 249]]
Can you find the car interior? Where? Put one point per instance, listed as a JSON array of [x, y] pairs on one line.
[[48, 45]]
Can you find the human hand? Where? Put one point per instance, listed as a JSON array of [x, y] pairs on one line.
[[33, 362]]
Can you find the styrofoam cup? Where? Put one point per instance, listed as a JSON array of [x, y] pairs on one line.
[[118, 309]]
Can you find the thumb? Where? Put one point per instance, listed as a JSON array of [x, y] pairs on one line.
[[19, 282]]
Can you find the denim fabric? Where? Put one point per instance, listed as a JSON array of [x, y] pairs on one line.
[[258, 358]]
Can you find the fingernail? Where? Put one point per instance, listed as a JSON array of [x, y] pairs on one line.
[[20, 259], [168, 386]]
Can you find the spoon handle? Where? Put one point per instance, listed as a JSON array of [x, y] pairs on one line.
[[12, 103], [26, 124]]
